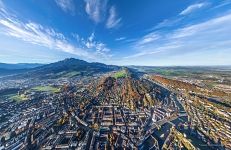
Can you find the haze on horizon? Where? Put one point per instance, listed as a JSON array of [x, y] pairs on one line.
[[150, 33]]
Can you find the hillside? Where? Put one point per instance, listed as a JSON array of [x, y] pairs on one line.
[[129, 91], [68, 68], [176, 84], [19, 66], [10, 69]]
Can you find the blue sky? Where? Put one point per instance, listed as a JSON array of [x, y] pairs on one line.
[[121, 32]]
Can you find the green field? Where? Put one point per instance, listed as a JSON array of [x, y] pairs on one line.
[[15, 97], [120, 74], [169, 72], [19, 98], [71, 74], [46, 89], [66, 74]]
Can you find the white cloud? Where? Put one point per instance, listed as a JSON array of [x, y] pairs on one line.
[[167, 23], [91, 38], [216, 25], [90, 43], [211, 35], [149, 38], [2, 8], [223, 3], [120, 38], [39, 35], [160, 49], [66, 5], [96, 9], [1, 4], [112, 20], [142, 54], [192, 8]]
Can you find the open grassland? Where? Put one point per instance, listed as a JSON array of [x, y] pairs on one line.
[[19, 98], [46, 89], [169, 72], [67, 74], [120, 74], [71, 74], [14, 97], [12, 94]]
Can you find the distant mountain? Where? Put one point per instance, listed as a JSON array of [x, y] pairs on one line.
[[6, 72], [19, 66], [11, 69], [68, 68]]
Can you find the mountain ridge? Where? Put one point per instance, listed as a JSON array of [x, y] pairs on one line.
[[68, 68], [19, 66]]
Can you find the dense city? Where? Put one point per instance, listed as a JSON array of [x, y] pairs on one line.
[[96, 113], [115, 75]]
